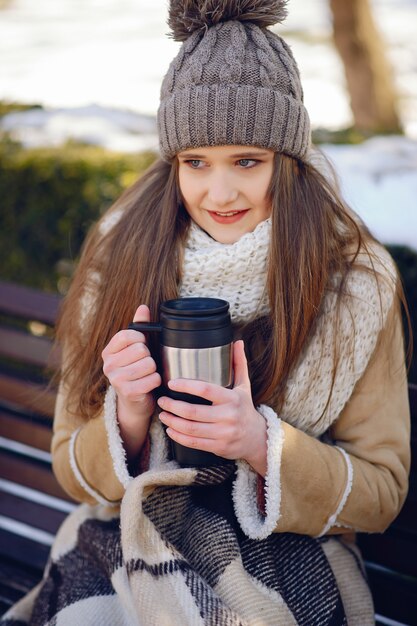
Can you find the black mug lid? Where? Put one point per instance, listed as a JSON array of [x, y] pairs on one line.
[[195, 307], [195, 322]]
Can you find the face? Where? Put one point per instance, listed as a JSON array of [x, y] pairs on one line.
[[224, 188]]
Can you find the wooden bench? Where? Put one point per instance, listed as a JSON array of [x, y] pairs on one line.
[[32, 504]]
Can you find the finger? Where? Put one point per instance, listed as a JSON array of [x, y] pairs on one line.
[[121, 340], [188, 427], [240, 365], [134, 390], [207, 445], [142, 314], [127, 356], [209, 391], [195, 412], [132, 372]]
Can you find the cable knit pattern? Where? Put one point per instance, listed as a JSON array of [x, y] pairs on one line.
[[363, 314], [234, 55], [285, 55], [235, 272], [109, 221], [88, 304], [268, 67], [233, 83]]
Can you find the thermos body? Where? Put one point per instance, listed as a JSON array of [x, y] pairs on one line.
[[196, 343], [212, 365]]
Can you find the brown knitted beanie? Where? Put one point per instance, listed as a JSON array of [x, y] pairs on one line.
[[233, 80]]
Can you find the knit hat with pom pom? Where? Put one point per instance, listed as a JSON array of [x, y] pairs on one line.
[[233, 81]]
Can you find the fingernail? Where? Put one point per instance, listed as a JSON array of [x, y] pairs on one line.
[[172, 384]]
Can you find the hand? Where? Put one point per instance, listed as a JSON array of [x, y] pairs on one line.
[[131, 370], [231, 427]]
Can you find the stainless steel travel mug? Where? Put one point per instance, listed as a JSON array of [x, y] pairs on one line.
[[196, 343]]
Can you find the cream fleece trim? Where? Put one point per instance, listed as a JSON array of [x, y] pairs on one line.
[[78, 475], [332, 521], [159, 444], [116, 448], [255, 525]]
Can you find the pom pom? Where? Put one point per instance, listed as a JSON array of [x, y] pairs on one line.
[[187, 16]]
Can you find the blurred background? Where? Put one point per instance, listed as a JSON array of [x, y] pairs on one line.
[[79, 90]]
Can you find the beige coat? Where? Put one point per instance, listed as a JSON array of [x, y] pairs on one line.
[[315, 494]]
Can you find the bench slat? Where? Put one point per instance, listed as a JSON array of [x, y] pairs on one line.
[[23, 394], [395, 595], [25, 430], [25, 551], [31, 513], [30, 473], [27, 348], [28, 303]]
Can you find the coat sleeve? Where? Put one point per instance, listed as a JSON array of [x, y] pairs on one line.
[[358, 479], [88, 457]]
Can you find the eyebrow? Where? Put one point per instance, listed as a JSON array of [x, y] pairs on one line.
[[239, 155]]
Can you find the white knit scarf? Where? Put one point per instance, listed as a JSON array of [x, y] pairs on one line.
[[235, 272]]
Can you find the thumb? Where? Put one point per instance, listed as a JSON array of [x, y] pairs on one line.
[[142, 314], [240, 365]]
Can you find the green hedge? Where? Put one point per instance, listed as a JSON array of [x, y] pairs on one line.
[[49, 199], [51, 196]]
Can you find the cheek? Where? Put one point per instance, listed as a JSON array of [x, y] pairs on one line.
[[188, 190], [258, 194], [263, 186]]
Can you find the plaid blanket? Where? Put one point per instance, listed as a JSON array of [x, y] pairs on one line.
[[176, 555]]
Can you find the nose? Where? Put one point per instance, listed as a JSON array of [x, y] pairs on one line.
[[221, 190]]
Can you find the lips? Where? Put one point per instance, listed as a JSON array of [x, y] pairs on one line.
[[227, 217]]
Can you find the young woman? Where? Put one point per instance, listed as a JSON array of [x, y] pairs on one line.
[[317, 420]]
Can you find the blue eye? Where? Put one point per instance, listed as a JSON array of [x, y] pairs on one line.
[[194, 163], [245, 163]]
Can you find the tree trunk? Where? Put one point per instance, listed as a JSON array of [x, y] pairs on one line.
[[368, 75]]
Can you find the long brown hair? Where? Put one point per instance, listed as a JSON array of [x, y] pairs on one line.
[[138, 260]]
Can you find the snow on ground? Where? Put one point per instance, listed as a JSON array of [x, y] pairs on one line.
[[114, 129], [379, 180]]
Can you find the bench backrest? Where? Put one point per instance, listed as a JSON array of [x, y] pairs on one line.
[[32, 504]]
